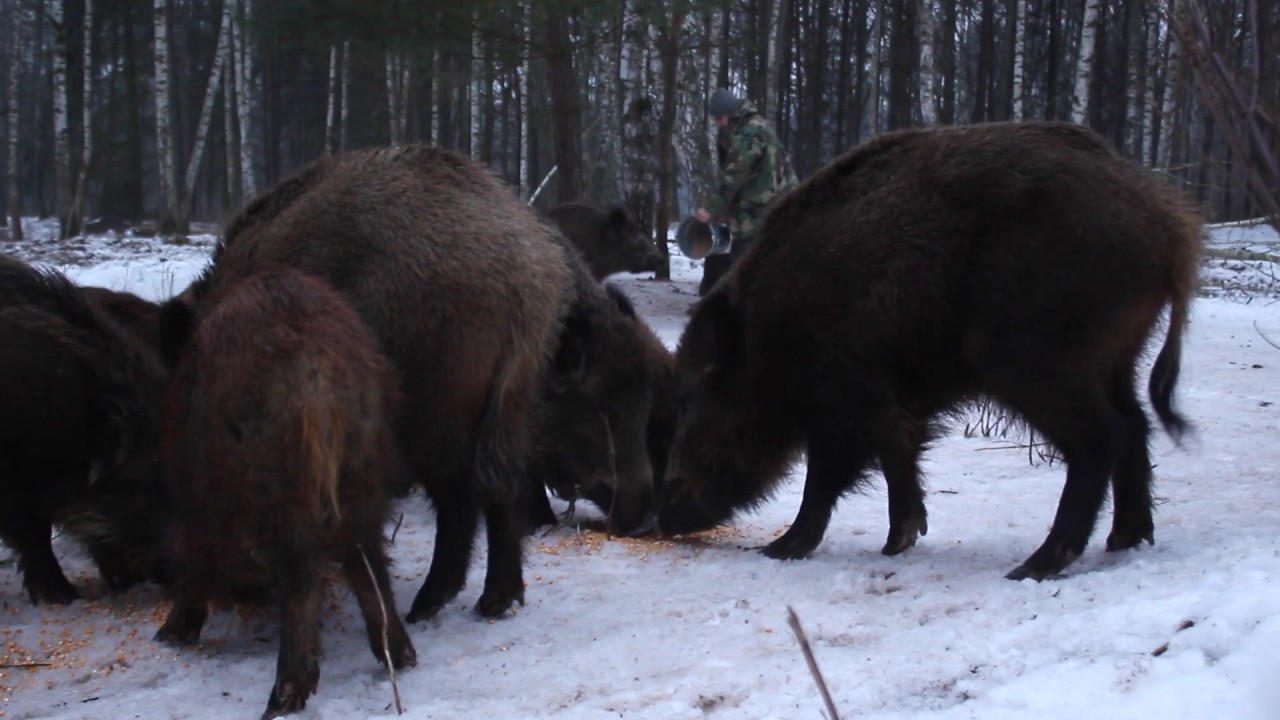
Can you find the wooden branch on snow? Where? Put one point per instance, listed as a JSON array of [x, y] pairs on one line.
[[794, 621]]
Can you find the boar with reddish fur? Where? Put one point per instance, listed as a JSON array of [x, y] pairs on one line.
[[491, 320], [1025, 263], [281, 454]]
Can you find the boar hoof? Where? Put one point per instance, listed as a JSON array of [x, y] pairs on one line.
[[286, 699], [1044, 563], [1124, 541], [791, 546], [900, 539], [498, 604], [56, 591]]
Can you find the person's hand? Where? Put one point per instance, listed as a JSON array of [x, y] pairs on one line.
[[702, 215]]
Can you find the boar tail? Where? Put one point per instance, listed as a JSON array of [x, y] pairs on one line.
[[322, 446], [1164, 375]]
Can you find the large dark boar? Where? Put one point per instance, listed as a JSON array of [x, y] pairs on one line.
[[487, 314], [79, 428], [281, 454], [567, 460], [1025, 263], [607, 238]]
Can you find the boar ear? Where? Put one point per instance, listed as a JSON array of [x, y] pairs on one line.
[[176, 325], [570, 361]]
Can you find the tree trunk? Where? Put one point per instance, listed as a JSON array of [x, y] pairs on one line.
[[947, 108], [67, 227], [244, 77], [1085, 64], [780, 12], [13, 117], [1171, 88], [331, 101], [164, 136], [206, 114], [930, 91], [902, 56], [1019, 19], [669, 50], [877, 30], [637, 121], [567, 125], [344, 96]]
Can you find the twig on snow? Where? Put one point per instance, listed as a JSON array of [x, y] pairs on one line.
[[794, 621]]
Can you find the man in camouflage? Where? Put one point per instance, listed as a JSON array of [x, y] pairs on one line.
[[754, 172]]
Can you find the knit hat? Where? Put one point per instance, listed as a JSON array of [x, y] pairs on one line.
[[722, 102]]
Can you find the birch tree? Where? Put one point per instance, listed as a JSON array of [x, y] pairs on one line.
[[1085, 63], [61, 128], [930, 92], [346, 105], [74, 223], [13, 117], [638, 120], [331, 109], [1172, 71], [397, 91], [164, 148], [244, 88], [1019, 21], [206, 113]]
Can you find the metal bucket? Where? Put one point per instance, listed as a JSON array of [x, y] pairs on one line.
[[697, 239]]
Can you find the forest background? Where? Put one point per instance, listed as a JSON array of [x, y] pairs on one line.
[[148, 115]]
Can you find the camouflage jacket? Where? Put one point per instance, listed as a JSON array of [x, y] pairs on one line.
[[754, 170]]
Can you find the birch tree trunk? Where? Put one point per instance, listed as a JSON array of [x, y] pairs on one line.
[[930, 92], [476, 87], [231, 140], [876, 30], [206, 113], [164, 146], [74, 222], [1085, 64], [638, 120], [61, 127], [393, 99], [1019, 53], [244, 89], [13, 117], [526, 69], [1150, 68], [779, 12], [331, 109], [1172, 72], [343, 120]]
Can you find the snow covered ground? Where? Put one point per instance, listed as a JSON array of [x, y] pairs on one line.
[[661, 629]]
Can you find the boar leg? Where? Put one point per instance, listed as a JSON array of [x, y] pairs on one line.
[[30, 535], [900, 452], [1131, 483], [1078, 421], [456, 516], [378, 613], [185, 620], [503, 581], [836, 462], [298, 667]]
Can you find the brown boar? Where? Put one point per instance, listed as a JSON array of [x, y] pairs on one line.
[[1025, 263], [79, 424], [280, 450], [608, 239], [487, 314]]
